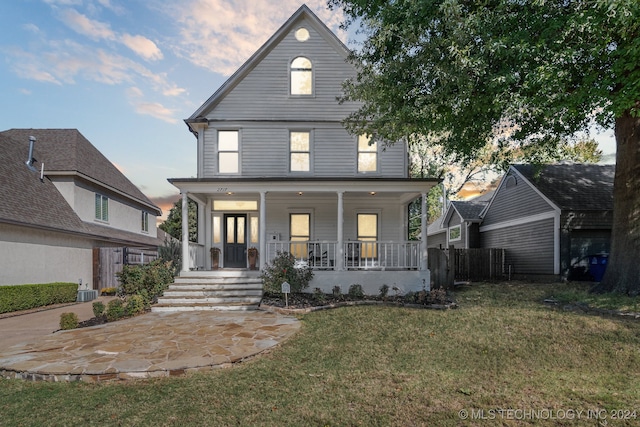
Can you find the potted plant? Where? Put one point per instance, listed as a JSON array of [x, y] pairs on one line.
[[215, 258], [252, 254]]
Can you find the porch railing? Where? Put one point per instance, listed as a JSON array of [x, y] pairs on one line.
[[358, 255], [196, 256]]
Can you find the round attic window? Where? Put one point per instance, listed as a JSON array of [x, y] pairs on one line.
[[302, 34]]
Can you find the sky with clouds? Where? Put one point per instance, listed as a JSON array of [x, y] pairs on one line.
[[126, 73]]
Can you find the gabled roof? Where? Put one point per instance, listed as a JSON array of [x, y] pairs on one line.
[[575, 186], [27, 201], [68, 152], [302, 13], [468, 210]]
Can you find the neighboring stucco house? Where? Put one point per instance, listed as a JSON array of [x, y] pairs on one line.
[[278, 171], [60, 198], [460, 224], [550, 219]]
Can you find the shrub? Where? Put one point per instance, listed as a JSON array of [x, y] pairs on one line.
[[148, 281], [384, 290], [283, 270], [98, 308], [319, 295], [337, 292], [356, 292], [437, 296], [108, 291], [115, 310], [68, 321], [135, 305], [24, 297], [171, 252]]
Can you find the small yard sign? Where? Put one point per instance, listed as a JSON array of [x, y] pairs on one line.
[[286, 289]]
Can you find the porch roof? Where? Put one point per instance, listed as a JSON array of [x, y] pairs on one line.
[[412, 187]]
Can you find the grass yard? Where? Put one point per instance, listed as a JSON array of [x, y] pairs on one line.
[[502, 349]]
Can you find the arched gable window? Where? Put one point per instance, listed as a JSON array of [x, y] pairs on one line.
[[301, 76]]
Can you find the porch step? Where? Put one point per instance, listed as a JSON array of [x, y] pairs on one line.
[[224, 291]]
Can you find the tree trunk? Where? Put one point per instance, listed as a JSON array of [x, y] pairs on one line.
[[623, 271]]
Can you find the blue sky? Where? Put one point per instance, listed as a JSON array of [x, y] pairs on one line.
[[126, 73]]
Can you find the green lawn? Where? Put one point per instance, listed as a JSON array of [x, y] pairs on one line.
[[380, 366]]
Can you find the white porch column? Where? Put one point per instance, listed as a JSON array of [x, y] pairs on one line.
[[423, 233], [207, 235], [340, 227], [262, 226], [185, 232]]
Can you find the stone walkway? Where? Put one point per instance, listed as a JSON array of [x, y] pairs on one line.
[[151, 345]]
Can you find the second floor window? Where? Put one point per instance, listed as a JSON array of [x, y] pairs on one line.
[[367, 154], [301, 76], [228, 152], [299, 146], [145, 221], [102, 207]]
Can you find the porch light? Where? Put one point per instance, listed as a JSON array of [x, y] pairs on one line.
[[299, 193], [230, 193], [373, 193]]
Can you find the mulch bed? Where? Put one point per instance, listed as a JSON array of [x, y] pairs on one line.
[[304, 302]]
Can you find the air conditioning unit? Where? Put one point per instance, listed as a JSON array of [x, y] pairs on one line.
[[85, 295]]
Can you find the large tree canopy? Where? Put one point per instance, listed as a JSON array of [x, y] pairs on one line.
[[522, 73]]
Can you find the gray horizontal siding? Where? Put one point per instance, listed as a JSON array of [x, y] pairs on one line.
[[264, 151], [325, 211], [515, 201], [587, 220], [264, 91], [529, 247], [438, 240]]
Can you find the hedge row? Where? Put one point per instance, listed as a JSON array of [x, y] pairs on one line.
[[24, 297]]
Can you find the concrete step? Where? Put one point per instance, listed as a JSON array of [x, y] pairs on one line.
[[200, 307], [217, 280], [209, 300], [214, 286], [199, 293]]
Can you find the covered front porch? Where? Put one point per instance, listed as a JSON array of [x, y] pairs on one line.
[[347, 231]]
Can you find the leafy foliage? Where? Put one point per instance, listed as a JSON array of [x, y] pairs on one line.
[[173, 224], [115, 310], [284, 269], [520, 75], [68, 321], [149, 280], [98, 308], [171, 251], [24, 297]]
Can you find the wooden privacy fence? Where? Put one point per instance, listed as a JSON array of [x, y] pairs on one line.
[[451, 265], [107, 262]]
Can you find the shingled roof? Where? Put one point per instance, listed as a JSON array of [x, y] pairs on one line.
[[469, 210], [68, 151], [573, 186], [27, 201]]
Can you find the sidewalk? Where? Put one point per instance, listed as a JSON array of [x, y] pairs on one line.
[[32, 325]]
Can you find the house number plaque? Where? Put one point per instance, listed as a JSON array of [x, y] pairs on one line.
[[286, 289]]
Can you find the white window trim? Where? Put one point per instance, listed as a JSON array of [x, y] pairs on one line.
[[102, 215], [377, 212], [377, 152], [145, 221], [239, 151], [459, 227], [313, 78], [311, 137], [301, 211]]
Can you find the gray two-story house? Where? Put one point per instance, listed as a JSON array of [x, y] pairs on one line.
[[277, 171]]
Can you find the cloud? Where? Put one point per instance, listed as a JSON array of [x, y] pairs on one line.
[[221, 34], [142, 46], [153, 109], [96, 30], [83, 25]]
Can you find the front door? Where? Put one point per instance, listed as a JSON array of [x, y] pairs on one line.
[[235, 241]]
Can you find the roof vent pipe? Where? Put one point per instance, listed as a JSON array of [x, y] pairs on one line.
[[29, 162]]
